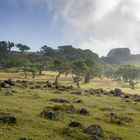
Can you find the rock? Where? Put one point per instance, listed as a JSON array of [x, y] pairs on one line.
[[136, 97], [90, 91], [83, 112], [68, 131], [118, 119], [94, 130], [49, 85], [99, 91], [79, 101], [108, 108], [126, 96], [115, 138], [118, 92], [8, 93], [63, 88], [75, 124], [59, 100], [25, 138], [76, 93], [49, 115], [95, 137], [4, 85], [9, 82], [63, 108], [8, 119]]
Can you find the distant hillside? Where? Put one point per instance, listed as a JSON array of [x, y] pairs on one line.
[[122, 56]]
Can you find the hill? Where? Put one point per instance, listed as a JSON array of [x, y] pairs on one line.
[[122, 56]]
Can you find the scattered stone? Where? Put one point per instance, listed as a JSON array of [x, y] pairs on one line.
[[126, 96], [9, 82], [8, 119], [108, 108], [76, 93], [136, 97], [79, 101], [49, 115], [83, 112], [68, 131], [58, 92], [118, 119], [95, 137], [94, 130], [75, 124], [8, 93], [118, 92], [115, 138], [90, 91], [59, 100], [62, 108], [25, 138]]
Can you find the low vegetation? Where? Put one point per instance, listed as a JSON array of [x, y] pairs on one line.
[[66, 94]]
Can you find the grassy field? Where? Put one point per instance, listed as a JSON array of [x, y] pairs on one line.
[[26, 104]]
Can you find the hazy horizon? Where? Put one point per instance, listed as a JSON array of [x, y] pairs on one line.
[[87, 24]]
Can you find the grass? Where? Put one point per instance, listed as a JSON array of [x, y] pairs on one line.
[[26, 105]]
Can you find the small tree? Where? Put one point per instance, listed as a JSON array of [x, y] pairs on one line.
[[78, 69], [22, 48], [61, 67], [129, 73], [93, 69], [10, 45]]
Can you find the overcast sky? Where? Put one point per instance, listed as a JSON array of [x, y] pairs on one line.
[[99, 25]]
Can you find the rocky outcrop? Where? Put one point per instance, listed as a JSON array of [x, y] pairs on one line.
[[122, 56]]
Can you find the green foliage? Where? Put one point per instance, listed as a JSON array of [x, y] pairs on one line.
[[129, 72], [22, 48]]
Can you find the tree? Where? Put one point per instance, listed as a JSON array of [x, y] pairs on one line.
[[10, 45], [48, 51], [93, 69], [61, 67], [41, 66], [22, 48], [3, 52], [78, 69], [129, 73]]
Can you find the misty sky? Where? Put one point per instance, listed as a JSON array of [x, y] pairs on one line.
[[98, 25]]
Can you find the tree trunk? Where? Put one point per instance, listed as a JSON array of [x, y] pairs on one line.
[[33, 75], [25, 76], [40, 72], [87, 80], [56, 79], [78, 84], [132, 84]]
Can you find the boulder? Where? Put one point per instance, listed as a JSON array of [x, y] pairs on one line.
[[94, 130], [9, 82], [95, 137], [76, 93], [57, 100], [115, 138], [118, 92], [8, 93], [75, 124], [79, 101], [108, 108], [25, 138], [83, 112], [49, 115], [8, 119]]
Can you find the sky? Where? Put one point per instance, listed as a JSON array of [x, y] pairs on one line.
[[98, 25]]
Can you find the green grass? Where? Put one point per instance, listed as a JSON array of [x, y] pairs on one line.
[[27, 104]]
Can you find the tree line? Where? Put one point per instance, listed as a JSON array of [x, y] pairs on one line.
[[81, 64]]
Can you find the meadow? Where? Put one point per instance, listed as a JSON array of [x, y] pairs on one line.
[[27, 103]]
